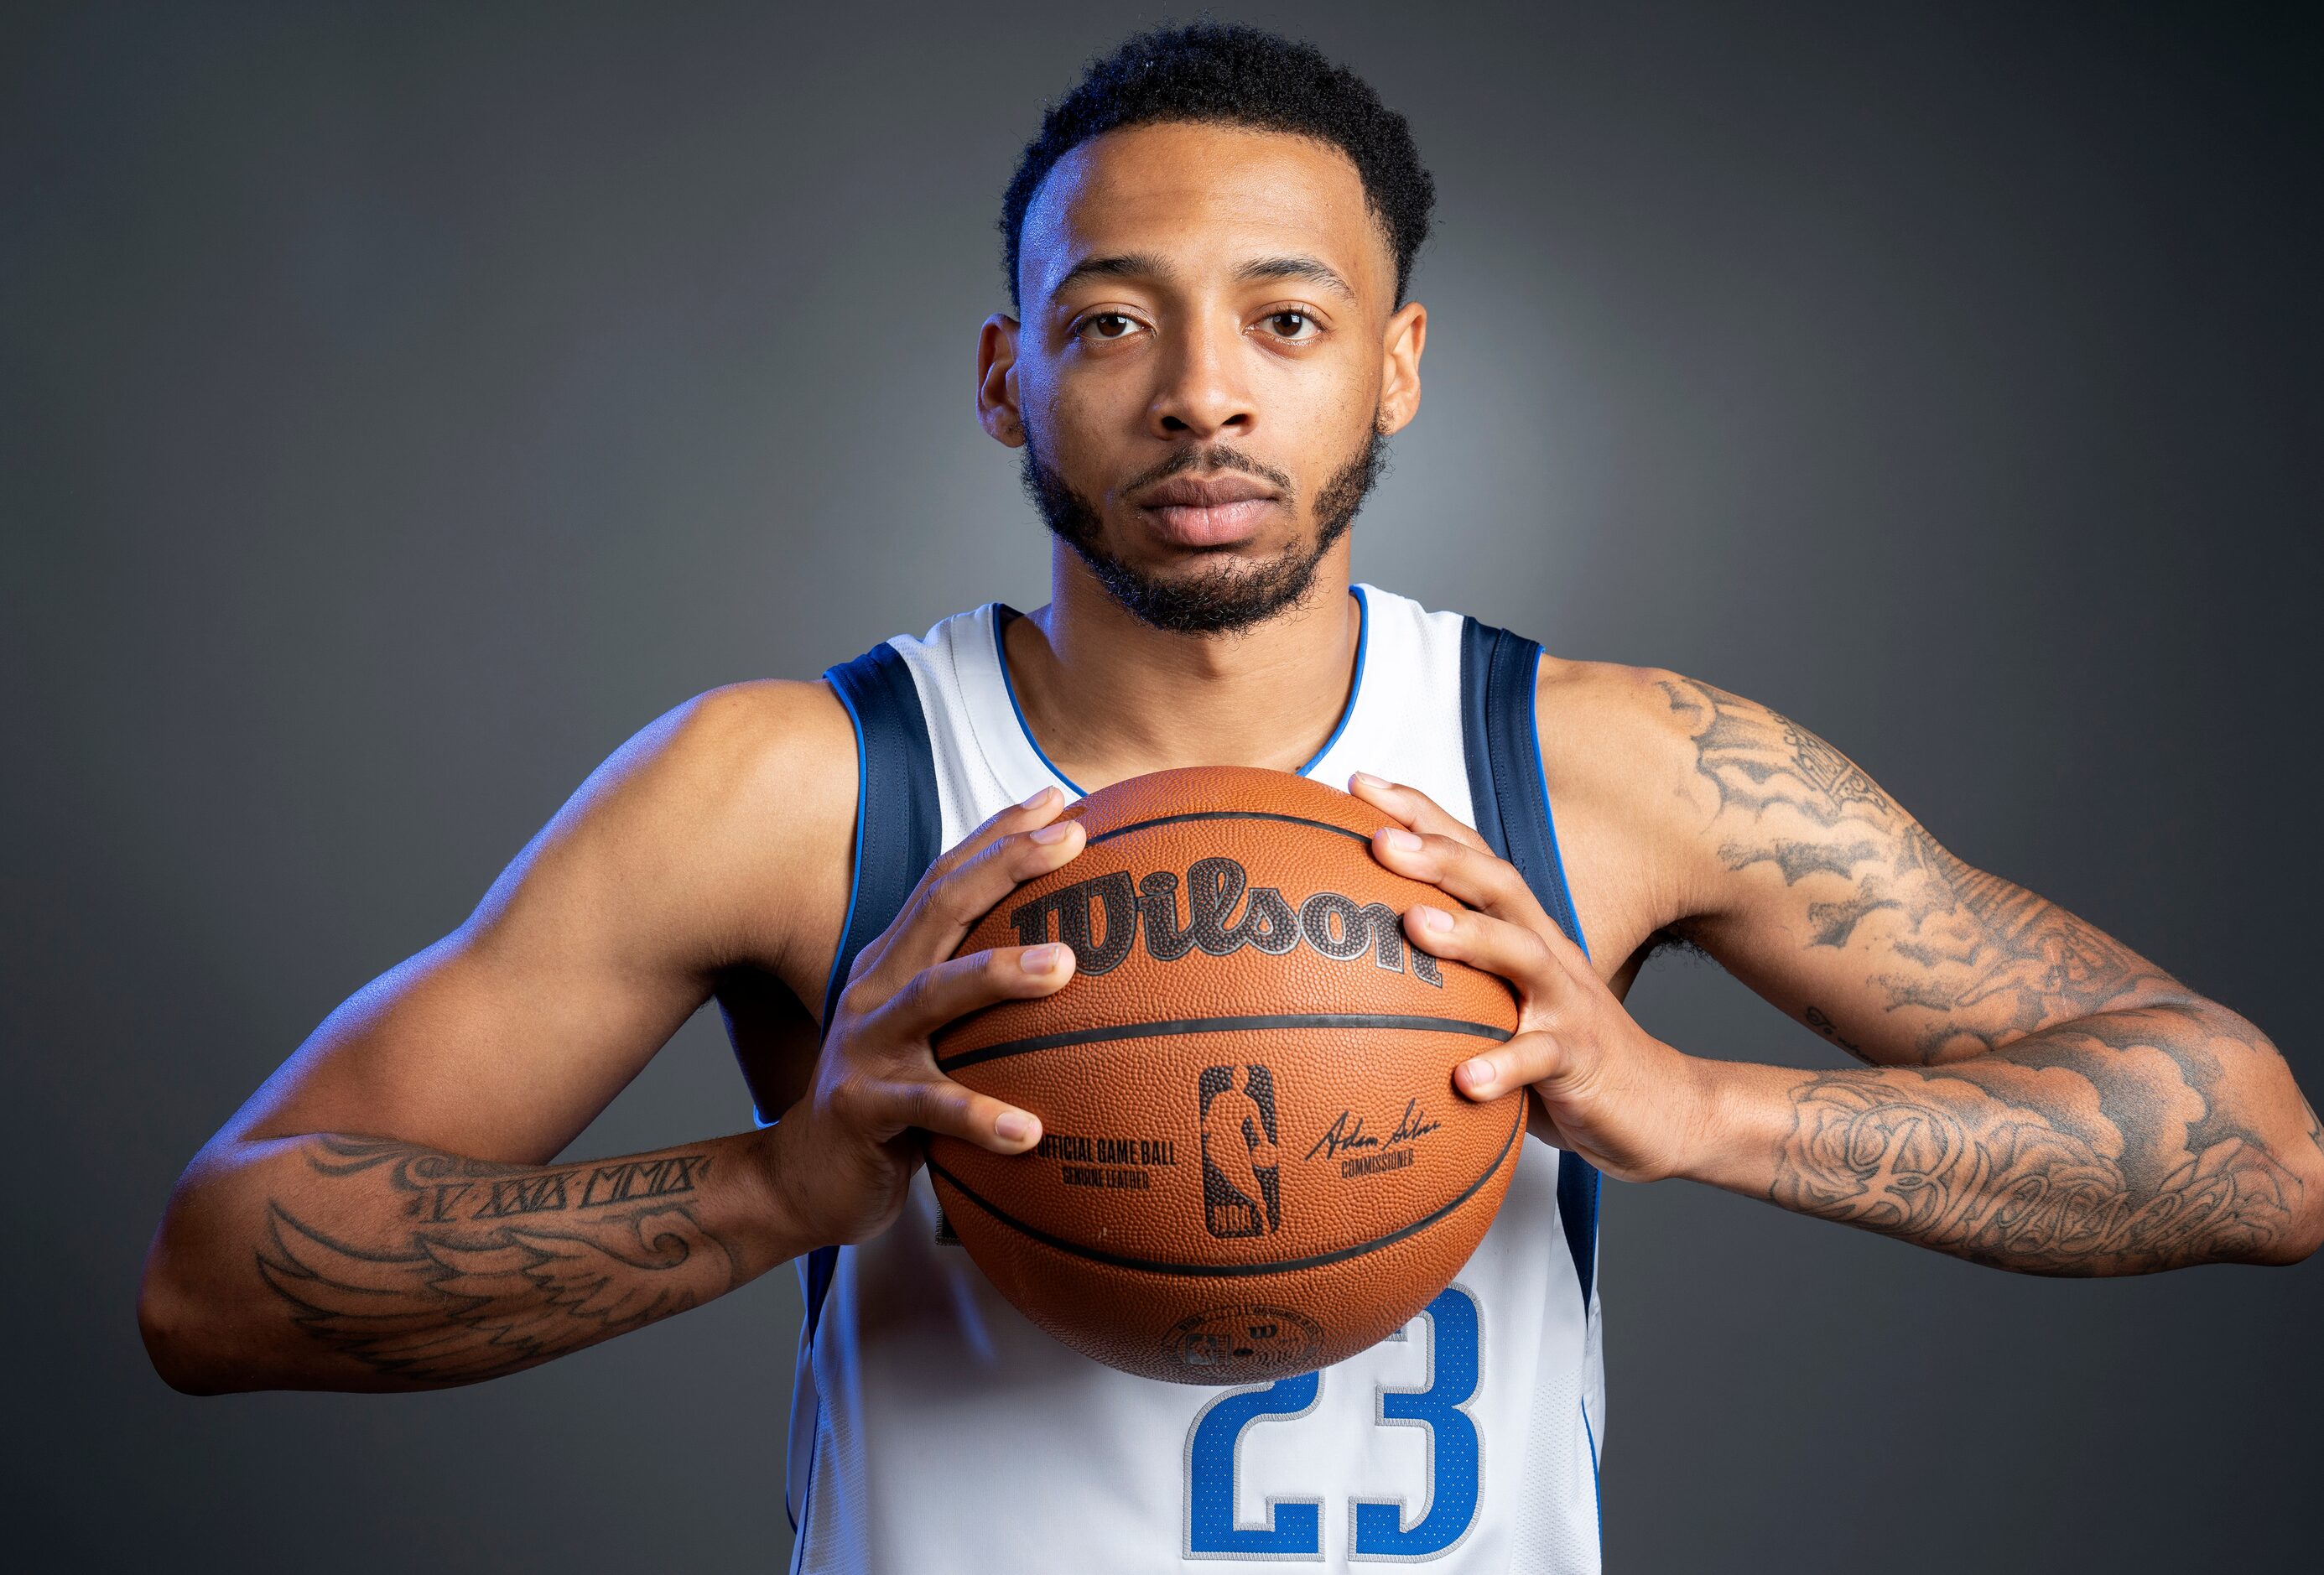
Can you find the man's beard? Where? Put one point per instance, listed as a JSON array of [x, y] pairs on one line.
[[1228, 597]]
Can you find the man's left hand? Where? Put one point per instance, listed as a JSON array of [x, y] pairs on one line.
[[1598, 1084]]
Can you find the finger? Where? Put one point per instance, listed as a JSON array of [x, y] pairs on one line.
[[938, 994], [940, 913], [935, 1103], [1416, 810], [1018, 819], [1038, 810], [1469, 874], [1515, 952], [1528, 1058]]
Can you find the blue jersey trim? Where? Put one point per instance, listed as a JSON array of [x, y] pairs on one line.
[[1578, 1185], [1596, 1494], [855, 866], [1508, 787], [899, 824], [799, 1521], [1001, 615], [897, 820], [1570, 921], [1356, 689]]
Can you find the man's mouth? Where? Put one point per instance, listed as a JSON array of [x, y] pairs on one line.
[[1207, 512]]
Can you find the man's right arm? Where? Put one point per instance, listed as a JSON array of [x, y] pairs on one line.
[[328, 1261], [383, 1213]]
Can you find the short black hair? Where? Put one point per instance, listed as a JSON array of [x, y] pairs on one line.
[[1235, 75]]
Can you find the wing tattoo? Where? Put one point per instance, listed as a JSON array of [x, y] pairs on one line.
[[477, 1303]]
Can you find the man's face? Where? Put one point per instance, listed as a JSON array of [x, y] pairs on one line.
[[1208, 359]]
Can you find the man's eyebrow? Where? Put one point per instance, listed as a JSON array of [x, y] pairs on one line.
[[1315, 270], [1126, 265], [1147, 265]]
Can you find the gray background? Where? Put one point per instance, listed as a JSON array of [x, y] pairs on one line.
[[402, 405]]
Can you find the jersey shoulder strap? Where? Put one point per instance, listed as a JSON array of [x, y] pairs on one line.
[[1501, 738], [899, 822], [899, 827]]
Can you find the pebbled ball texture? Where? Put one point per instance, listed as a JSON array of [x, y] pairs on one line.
[[1253, 1160]]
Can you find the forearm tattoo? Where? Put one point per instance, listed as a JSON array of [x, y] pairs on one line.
[[493, 1268], [2093, 1149], [2072, 1111]]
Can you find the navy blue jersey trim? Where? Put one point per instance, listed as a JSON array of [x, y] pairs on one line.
[[1500, 739], [897, 822], [1578, 1182], [899, 825]]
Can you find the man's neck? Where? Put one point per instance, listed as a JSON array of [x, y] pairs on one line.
[[1107, 698]]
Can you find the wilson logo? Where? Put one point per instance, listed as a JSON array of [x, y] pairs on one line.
[[1103, 919]]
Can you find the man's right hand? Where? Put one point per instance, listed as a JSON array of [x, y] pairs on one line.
[[842, 1157]]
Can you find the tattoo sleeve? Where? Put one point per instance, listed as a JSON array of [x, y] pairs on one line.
[[429, 1270], [2040, 1097], [2106, 1146]]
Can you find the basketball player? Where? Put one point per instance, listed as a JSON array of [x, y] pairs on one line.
[[1208, 248]]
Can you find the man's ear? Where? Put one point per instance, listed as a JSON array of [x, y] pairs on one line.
[[996, 381], [1401, 347]]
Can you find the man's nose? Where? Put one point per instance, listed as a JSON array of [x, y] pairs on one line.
[[1203, 394]]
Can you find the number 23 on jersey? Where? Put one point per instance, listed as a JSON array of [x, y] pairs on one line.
[[1293, 1528]]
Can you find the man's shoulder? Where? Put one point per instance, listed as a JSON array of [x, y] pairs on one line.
[[760, 736], [740, 806], [732, 786], [1613, 726]]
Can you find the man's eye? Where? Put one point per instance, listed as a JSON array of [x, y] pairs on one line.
[[1107, 325], [1292, 324]]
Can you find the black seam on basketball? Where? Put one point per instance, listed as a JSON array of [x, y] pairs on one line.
[[1167, 1028], [1239, 1270], [1123, 831]]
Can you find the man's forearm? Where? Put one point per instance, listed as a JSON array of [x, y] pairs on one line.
[[341, 1262], [2123, 1143]]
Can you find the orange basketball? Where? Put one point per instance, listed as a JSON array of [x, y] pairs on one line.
[[1253, 1160]]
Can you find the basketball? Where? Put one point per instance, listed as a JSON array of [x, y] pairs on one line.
[[1253, 1162]]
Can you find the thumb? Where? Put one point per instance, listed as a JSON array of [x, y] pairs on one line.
[[1528, 1058]]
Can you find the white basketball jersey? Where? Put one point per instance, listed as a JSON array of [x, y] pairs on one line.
[[936, 1429]]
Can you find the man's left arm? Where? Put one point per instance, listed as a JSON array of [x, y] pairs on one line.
[[2040, 1098]]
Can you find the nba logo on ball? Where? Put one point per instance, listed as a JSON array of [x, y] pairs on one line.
[[1241, 1177]]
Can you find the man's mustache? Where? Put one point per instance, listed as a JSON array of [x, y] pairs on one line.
[[1211, 456]]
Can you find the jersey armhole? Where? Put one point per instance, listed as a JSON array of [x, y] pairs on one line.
[[1501, 732]]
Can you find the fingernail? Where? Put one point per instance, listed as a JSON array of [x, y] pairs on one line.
[[1039, 797], [1366, 779], [1433, 918], [1012, 1126], [1042, 959], [1054, 832], [1401, 840], [1480, 1073]]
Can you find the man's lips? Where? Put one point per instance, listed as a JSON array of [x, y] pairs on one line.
[[1213, 513]]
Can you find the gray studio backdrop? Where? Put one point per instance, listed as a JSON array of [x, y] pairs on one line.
[[402, 405]]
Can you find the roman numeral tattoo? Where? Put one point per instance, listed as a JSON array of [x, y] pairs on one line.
[[501, 1267]]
